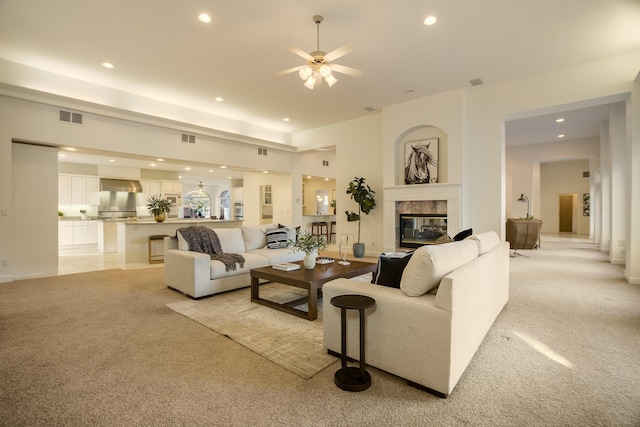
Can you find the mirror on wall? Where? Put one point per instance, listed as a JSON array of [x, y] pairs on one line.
[[318, 193]]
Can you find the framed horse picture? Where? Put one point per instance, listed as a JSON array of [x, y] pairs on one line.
[[421, 161]]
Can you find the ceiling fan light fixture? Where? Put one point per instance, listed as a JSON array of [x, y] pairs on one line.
[[311, 81], [325, 70], [330, 80], [305, 72]]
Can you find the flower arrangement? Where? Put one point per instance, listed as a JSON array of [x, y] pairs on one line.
[[83, 211], [308, 243]]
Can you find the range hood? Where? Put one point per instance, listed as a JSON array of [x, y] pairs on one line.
[[126, 185]]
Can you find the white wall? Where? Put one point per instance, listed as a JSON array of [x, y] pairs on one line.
[[358, 154], [563, 178]]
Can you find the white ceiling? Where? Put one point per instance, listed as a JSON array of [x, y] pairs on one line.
[[161, 51]]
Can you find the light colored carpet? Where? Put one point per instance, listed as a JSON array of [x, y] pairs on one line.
[[103, 349], [289, 341]]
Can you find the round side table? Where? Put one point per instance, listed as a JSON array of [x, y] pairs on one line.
[[352, 378]]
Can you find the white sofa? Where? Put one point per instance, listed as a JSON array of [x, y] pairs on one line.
[[429, 339], [197, 275]]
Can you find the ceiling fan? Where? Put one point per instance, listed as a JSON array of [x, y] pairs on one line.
[[320, 64]]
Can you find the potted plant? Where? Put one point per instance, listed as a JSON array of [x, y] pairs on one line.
[[60, 214], [333, 205], [83, 213], [311, 245], [363, 195], [159, 207]]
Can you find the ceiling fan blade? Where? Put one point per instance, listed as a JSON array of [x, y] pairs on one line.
[[299, 52], [290, 70], [346, 70], [339, 52]]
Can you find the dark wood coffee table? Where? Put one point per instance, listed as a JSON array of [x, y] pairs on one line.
[[311, 280]]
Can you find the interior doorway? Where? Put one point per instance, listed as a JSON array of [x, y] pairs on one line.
[[566, 204]]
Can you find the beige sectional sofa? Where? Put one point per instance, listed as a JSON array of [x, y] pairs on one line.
[[197, 275], [428, 338]]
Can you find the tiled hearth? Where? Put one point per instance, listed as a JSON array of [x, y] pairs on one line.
[[420, 199]]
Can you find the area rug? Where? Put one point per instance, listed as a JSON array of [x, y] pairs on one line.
[[289, 341]]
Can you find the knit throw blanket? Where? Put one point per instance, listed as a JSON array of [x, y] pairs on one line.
[[205, 240]]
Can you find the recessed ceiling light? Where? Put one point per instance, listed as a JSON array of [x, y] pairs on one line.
[[111, 160], [229, 177], [62, 155], [179, 176], [223, 167], [210, 170], [204, 17], [108, 65], [559, 120], [286, 119], [219, 98], [562, 135], [187, 168], [265, 171], [160, 160], [152, 165], [430, 20]]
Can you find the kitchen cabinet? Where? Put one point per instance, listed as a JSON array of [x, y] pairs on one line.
[[171, 187], [78, 190], [149, 188], [77, 233]]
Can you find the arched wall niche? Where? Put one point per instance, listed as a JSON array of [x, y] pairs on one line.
[[420, 133]]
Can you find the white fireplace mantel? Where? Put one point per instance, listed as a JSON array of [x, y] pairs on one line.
[[420, 192]]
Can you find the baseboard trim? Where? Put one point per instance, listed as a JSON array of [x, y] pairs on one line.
[[6, 279], [427, 389]]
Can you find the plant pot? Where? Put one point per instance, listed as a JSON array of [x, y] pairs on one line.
[[358, 250], [310, 260], [160, 218], [84, 216]]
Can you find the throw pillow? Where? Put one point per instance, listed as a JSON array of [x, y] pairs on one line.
[[486, 241], [429, 264], [182, 243], [277, 238], [463, 234], [390, 268], [292, 233]]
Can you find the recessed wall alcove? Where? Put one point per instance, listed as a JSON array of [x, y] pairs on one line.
[[435, 198]]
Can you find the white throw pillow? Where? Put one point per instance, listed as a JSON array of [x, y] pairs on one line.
[[429, 264], [182, 243], [486, 241], [254, 237]]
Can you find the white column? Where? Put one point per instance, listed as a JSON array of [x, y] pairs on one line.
[[619, 180], [605, 185]]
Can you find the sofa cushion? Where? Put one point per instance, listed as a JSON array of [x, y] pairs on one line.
[[277, 238], [182, 242], [430, 263], [254, 237], [463, 234], [276, 256], [486, 241], [390, 268], [218, 269], [230, 240]]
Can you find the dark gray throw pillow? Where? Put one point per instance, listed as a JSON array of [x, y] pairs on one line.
[[463, 235], [390, 270]]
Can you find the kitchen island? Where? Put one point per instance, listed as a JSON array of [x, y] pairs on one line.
[[132, 235]]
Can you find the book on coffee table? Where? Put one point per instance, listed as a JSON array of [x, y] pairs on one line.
[[286, 266]]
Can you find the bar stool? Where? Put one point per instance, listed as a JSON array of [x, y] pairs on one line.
[[153, 257], [320, 228], [332, 230]]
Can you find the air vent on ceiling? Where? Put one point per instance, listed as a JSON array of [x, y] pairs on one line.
[[586, 174], [188, 138], [325, 163], [70, 117], [475, 82], [262, 151], [369, 109]]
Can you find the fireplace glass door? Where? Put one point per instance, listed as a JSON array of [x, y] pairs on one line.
[[421, 229]]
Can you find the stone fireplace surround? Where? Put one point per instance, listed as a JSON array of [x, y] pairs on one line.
[[419, 199]]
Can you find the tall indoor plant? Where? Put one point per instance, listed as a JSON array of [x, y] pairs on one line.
[[159, 207], [363, 195]]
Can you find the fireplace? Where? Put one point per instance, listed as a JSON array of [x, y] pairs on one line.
[[421, 229]]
